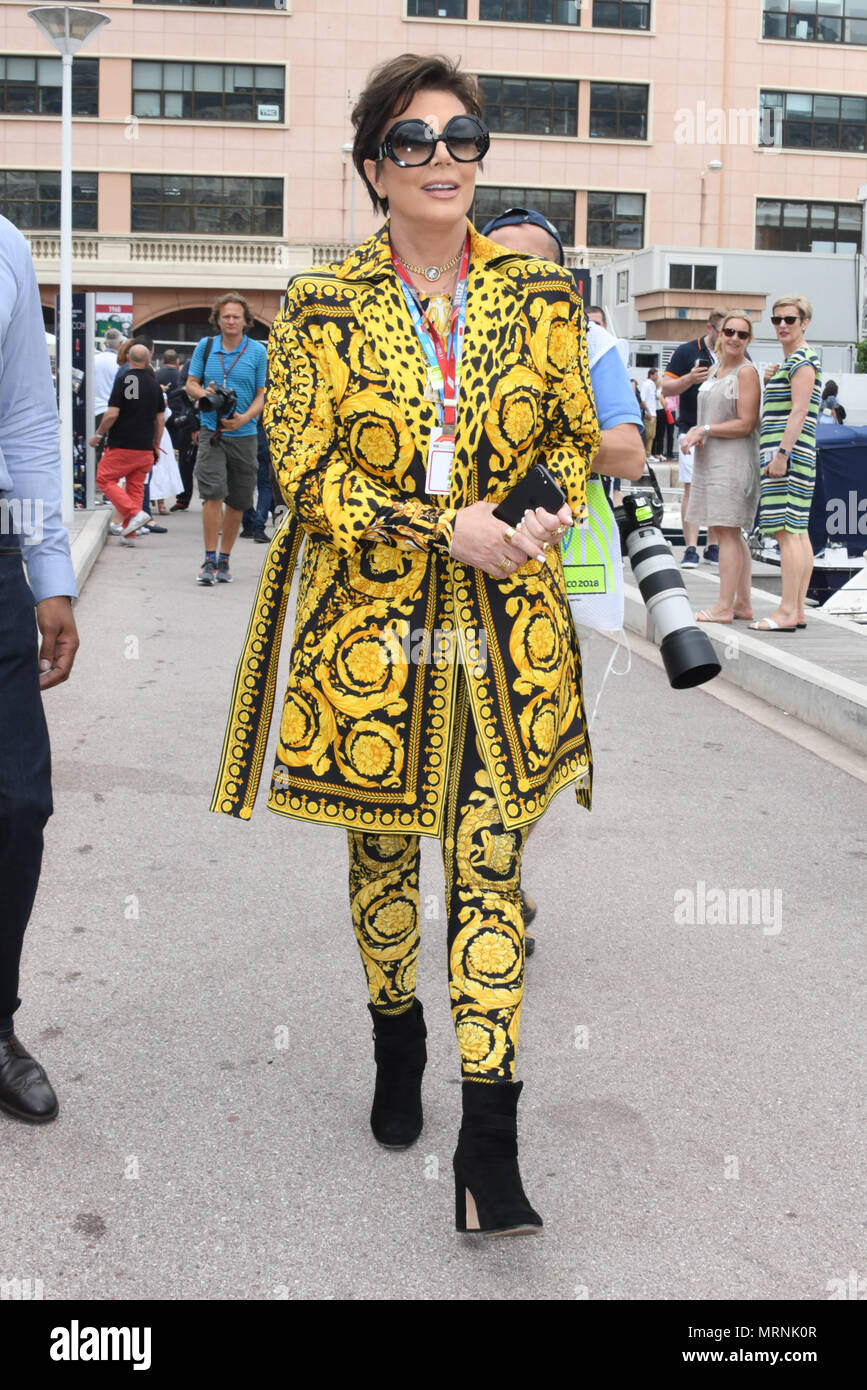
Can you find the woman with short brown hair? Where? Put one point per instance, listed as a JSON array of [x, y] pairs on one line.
[[435, 680]]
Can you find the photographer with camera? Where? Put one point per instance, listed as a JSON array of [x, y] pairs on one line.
[[233, 366]]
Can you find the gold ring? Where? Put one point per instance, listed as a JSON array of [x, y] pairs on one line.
[[505, 562], [510, 533]]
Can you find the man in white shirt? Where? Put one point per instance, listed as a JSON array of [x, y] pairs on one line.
[[649, 390], [104, 372]]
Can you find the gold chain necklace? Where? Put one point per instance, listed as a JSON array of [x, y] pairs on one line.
[[431, 272]]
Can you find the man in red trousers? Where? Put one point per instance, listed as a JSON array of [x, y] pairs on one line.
[[134, 424]]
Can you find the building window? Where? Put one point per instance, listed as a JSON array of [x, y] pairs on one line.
[[31, 86], [620, 14], [31, 199], [208, 91], [615, 219], [618, 111], [436, 9], [813, 121], [524, 106], [622, 286], [531, 11], [816, 21], [200, 203], [821, 228], [225, 4], [692, 277], [599, 290], [558, 205]]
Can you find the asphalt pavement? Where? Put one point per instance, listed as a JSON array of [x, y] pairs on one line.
[[692, 1123]]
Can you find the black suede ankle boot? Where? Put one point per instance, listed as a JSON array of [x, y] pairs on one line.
[[400, 1054], [489, 1196]]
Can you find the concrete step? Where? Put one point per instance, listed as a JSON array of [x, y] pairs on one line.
[[818, 675]]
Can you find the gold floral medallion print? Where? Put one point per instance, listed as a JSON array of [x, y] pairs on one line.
[[367, 725]]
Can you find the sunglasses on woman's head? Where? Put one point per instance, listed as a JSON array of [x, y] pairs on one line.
[[412, 142], [736, 333], [784, 318]]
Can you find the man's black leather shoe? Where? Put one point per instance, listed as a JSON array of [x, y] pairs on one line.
[[25, 1090]]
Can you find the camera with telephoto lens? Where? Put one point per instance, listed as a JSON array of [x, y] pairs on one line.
[[222, 400], [686, 651]]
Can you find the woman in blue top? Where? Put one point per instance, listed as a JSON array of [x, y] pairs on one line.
[[793, 393]]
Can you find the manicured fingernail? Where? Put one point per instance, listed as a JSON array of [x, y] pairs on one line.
[[540, 556]]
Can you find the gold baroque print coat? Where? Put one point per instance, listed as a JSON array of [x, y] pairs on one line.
[[385, 618]]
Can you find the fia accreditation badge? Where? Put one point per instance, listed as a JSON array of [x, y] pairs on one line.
[[440, 457]]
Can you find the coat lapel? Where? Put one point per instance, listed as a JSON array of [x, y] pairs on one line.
[[492, 331], [384, 318], [489, 338]]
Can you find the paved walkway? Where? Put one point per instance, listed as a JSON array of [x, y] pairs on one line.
[[692, 1122]]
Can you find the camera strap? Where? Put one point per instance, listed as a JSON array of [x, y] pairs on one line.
[[211, 342]]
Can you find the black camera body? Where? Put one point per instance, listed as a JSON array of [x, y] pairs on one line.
[[222, 400]]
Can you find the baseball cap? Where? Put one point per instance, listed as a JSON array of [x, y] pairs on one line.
[[516, 217]]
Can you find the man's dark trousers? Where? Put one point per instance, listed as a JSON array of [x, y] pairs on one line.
[[25, 769], [186, 454], [255, 518]]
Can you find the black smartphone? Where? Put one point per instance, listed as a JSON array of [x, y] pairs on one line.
[[538, 488]]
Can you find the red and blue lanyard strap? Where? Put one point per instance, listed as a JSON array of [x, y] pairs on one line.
[[444, 360], [234, 364]]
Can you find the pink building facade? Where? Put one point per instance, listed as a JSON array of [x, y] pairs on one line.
[[212, 149]]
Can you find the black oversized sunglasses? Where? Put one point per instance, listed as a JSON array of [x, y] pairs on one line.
[[784, 318], [412, 142], [736, 333]]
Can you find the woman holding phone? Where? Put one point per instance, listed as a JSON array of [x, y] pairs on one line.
[[435, 678], [793, 394]]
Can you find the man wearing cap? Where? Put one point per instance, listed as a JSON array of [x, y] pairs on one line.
[[621, 453]]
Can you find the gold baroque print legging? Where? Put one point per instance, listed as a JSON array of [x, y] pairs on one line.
[[482, 862]]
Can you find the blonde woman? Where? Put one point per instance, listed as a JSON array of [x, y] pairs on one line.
[[725, 484], [793, 396]]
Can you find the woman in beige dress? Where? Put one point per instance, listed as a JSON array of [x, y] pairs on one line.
[[725, 484]]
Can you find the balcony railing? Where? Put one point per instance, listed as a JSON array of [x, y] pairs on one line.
[[145, 256]]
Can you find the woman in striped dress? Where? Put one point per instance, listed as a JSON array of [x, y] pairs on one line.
[[788, 450]]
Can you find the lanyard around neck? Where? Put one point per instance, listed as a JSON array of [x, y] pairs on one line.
[[444, 358], [240, 351]]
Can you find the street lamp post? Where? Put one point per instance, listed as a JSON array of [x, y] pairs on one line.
[[68, 29]]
